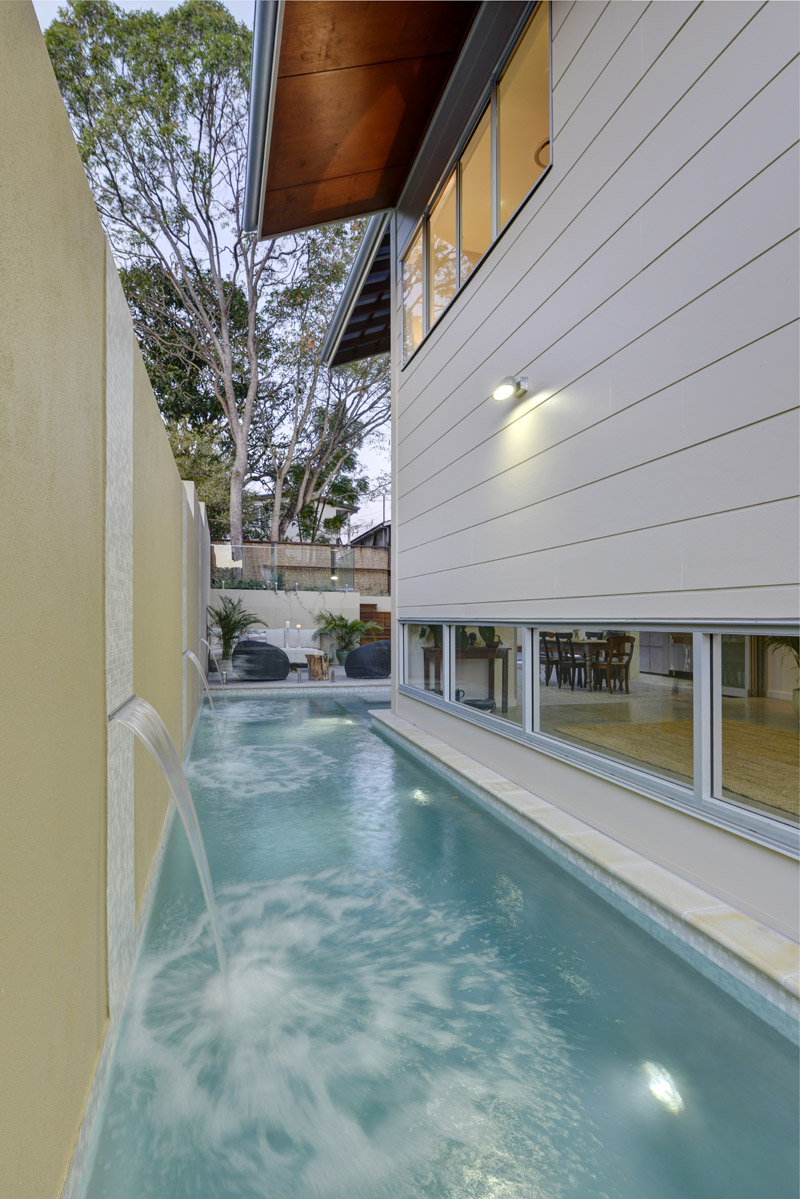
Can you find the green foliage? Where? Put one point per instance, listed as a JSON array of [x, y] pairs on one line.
[[786, 646], [219, 582], [488, 636], [229, 619], [346, 633], [434, 631], [231, 329]]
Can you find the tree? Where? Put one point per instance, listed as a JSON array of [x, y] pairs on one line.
[[158, 104], [309, 422]]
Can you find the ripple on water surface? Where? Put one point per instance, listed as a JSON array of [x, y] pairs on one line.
[[366, 1045]]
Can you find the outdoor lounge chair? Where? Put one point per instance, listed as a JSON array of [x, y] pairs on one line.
[[372, 661], [259, 660]]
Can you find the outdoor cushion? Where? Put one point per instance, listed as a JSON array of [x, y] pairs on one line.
[[259, 660], [373, 661]]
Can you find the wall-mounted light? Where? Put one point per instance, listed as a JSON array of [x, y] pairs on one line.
[[334, 578], [512, 385]]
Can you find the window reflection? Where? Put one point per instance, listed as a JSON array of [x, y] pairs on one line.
[[443, 255], [488, 670], [476, 196], [623, 693], [412, 296], [759, 723], [523, 115], [424, 657]]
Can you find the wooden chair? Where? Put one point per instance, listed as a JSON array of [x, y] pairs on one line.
[[616, 664], [548, 656], [570, 661]]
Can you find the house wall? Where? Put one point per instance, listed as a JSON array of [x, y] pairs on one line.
[[647, 290], [89, 489]]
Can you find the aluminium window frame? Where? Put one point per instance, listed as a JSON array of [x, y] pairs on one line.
[[697, 798], [488, 99]]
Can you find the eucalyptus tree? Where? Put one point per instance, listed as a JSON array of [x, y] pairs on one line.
[[309, 422], [158, 104]]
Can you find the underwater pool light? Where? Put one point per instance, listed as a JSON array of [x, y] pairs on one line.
[[662, 1087]]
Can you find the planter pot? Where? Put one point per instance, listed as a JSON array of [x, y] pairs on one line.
[[226, 666], [341, 654]]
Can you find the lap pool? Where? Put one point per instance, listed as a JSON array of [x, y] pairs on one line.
[[420, 1004]]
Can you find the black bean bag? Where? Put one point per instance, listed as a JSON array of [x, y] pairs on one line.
[[259, 660], [373, 661]]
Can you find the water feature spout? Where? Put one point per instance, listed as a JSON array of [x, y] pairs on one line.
[[187, 653], [143, 720], [216, 663]]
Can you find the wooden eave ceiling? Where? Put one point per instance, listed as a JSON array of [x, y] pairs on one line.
[[358, 81], [368, 331]]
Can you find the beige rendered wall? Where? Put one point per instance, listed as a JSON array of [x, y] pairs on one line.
[[72, 378], [52, 633], [157, 608]]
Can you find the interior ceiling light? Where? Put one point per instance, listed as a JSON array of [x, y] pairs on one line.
[[512, 385]]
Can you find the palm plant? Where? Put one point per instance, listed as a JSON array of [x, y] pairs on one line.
[[229, 619], [786, 645], [346, 633]]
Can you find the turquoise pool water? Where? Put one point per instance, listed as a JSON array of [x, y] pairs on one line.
[[420, 1004]]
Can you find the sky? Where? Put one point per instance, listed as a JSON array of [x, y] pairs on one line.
[[375, 459]]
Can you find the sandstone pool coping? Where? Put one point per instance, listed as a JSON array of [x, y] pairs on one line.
[[753, 954]]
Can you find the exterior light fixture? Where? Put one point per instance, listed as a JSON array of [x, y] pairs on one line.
[[334, 578], [512, 385]]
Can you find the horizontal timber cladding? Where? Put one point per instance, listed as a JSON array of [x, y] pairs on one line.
[[648, 290]]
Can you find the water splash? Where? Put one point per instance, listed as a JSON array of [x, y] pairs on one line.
[[143, 720], [216, 663], [187, 653]]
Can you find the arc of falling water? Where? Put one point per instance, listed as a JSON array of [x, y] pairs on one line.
[[216, 663], [143, 720], [187, 653]]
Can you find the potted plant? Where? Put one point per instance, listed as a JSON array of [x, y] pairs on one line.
[[229, 619], [790, 646], [346, 633]]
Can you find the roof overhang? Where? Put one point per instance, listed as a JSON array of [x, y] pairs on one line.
[[341, 96], [361, 326]]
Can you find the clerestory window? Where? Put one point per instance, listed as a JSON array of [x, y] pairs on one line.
[[503, 155]]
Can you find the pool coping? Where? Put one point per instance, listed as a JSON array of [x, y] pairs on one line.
[[359, 687], [751, 954]]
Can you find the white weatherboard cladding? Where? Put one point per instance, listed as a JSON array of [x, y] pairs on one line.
[[121, 899], [648, 290]]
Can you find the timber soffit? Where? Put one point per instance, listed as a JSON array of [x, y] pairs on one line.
[[341, 96]]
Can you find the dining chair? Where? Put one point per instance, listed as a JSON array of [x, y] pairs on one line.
[[571, 662], [615, 665], [548, 657]]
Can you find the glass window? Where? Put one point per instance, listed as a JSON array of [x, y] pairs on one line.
[[412, 296], [488, 670], [476, 196], [623, 693], [424, 657], [523, 115], [443, 255], [759, 723]]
